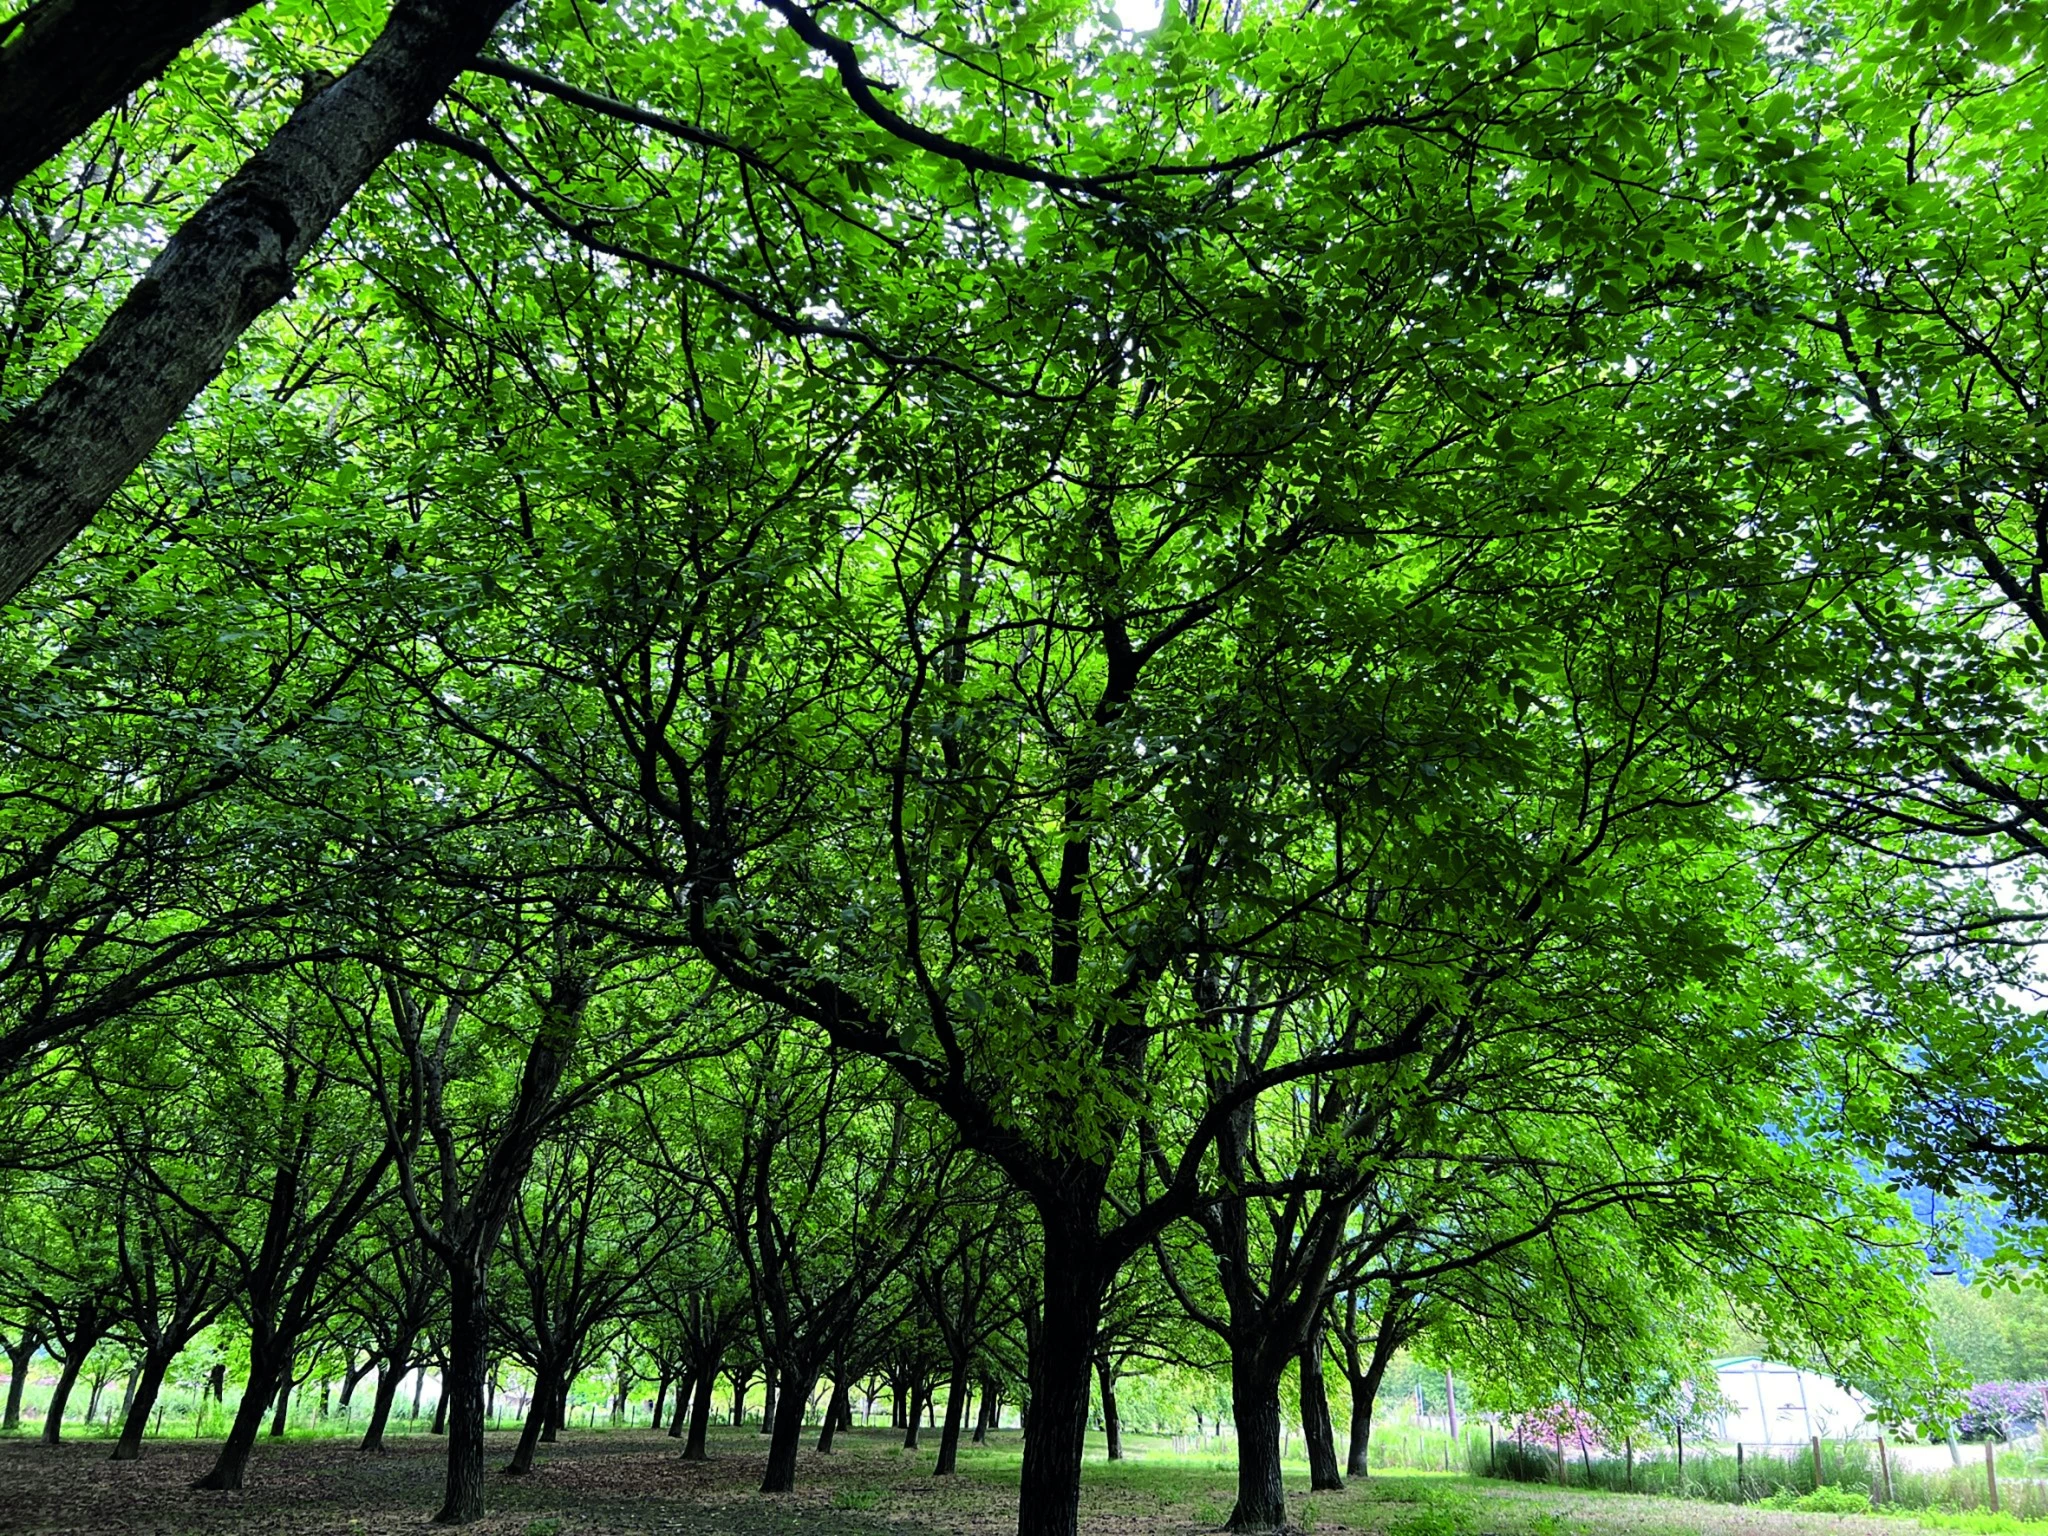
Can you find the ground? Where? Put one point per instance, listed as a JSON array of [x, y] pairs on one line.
[[607, 1482]]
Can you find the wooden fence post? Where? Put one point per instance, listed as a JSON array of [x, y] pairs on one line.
[[1628, 1449], [1741, 1491], [1884, 1465], [1564, 1479], [1491, 1471], [1817, 1477], [1991, 1472], [1681, 1461]]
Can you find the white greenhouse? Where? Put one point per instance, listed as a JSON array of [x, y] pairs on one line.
[[1770, 1403]]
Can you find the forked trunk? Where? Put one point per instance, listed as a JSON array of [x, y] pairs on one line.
[[1365, 1387]]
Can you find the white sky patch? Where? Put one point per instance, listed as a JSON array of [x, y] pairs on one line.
[[1138, 15]]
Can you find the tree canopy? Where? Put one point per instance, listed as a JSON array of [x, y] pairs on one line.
[[994, 697]]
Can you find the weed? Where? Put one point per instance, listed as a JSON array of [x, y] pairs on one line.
[[1980, 1521], [857, 1498], [1822, 1501], [1438, 1515], [543, 1528]]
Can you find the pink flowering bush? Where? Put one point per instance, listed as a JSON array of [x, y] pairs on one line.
[[2000, 1410], [1560, 1421]]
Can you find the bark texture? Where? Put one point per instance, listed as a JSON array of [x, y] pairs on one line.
[[64, 455], [63, 63], [1316, 1427], [1061, 1372], [1261, 1498]]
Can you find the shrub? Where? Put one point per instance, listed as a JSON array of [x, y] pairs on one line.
[[2000, 1410]]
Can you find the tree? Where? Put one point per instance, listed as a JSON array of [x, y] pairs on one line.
[[582, 1243], [64, 62]]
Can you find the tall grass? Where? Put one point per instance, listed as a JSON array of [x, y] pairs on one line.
[[1713, 1473]]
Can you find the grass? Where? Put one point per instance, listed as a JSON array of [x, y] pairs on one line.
[[610, 1483], [1848, 1468]]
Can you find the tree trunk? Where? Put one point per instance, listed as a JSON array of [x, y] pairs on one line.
[[1049, 1489], [1365, 1384], [981, 1412], [913, 1420], [545, 1398], [67, 1378], [700, 1416], [440, 1424], [661, 1385], [156, 1363], [956, 1410], [1316, 1427], [71, 61], [350, 1380], [19, 1358], [768, 1404], [739, 1400], [1255, 1402], [686, 1389], [64, 454], [787, 1432], [462, 1497], [380, 1405], [266, 1362], [1112, 1426], [557, 1418], [284, 1403], [836, 1412]]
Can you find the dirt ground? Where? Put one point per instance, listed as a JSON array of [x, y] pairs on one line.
[[607, 1482]]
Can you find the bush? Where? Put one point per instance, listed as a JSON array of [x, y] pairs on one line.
[[2000, 1410], [1822, 1501]]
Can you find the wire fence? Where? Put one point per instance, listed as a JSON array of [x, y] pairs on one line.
[[1826, 1474]]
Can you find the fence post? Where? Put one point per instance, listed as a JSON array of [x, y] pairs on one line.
[[1681, 1461], [1490, 1460], [1564, 1478], [1818, 1479], [1628, 1449], [1741, 1490], [1991, 1472], [1884, 1465]]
